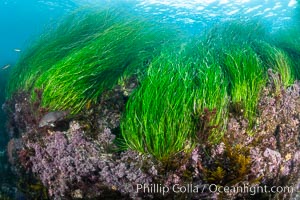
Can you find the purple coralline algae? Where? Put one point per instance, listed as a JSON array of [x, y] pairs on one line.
[[80, 159]]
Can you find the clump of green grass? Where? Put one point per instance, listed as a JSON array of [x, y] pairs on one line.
[[223, 71], [231, 33], [158, 117], [58, 41], [277, 60], [86, 73], [81, 61], [246, 78], [288, 40], [211, 95], [165, 113], [230, 46]]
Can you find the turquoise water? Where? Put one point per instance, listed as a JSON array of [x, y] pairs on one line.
[[23, 20], [20, 22]]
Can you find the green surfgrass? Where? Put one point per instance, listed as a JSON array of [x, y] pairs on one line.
[[77, 61]]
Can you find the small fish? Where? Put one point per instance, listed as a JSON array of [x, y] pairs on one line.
[[6, 66], [50, 118], [17, 50]]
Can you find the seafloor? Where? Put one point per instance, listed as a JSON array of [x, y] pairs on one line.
[[76, 159]]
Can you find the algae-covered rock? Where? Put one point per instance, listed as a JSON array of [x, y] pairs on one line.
[[72, 164]]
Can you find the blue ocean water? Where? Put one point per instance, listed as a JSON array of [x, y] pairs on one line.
[[21, 21]]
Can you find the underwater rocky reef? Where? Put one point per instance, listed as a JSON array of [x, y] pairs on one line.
[[120, 108]]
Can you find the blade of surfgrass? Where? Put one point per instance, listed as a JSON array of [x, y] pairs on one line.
[[79, 62], [277, 60], [158, 118], [232, 33], [246, 79], [71, 34], [212, 95], [163, 115], [85, 74], [288, 40]]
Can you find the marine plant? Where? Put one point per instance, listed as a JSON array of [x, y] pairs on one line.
[[61, 38], [288, 40], [158, 117], [165, 114], [230, 168], [230, 34], [246, 79], [277, 60], [211, 95], [230, 46], [86, 57], [247, 55]]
